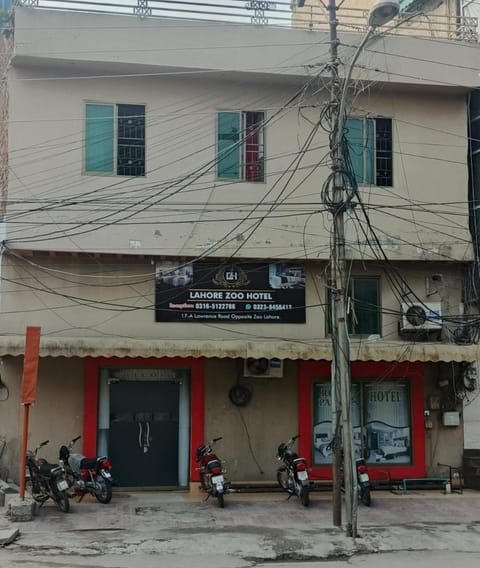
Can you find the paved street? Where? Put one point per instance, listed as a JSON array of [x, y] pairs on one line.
[[180, 529]]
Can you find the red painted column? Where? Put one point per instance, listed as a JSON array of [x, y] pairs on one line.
[[90, 407]]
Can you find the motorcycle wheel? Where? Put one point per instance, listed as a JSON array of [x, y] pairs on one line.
[[104, 494], [365, 496], [34, 489], [305, 496], [61, 498], [282, 478], [203, 482], [221, 500]]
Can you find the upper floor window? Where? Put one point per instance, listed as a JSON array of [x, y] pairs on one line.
[[240, 145], [370, 150], [362, 306], [115, 139]]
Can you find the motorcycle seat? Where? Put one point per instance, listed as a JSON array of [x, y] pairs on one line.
[[213, 464], [290, 456], [299, 460], [88, 463], [46, 468]]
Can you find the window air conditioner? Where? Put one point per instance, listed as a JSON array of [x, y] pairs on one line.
[[263, 367], [418, 316]]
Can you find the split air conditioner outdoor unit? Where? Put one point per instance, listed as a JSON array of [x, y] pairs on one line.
[[418, 316], [263, 367]]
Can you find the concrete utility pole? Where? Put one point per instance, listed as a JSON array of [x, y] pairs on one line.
[[380, 13], [341, 397], [336, 272]]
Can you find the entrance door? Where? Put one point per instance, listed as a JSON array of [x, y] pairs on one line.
[[143, 434]]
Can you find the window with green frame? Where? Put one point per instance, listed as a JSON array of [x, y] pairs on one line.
[[369, 142], [362, 306], [115, 139], [240, 145]]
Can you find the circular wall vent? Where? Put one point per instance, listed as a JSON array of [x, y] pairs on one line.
[[240, 395]]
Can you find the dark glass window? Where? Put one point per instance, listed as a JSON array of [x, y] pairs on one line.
[[362, 306], [131, 140], [383, 152]]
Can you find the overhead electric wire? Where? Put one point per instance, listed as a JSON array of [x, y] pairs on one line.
[[368, 222], [199, 172], [207, 98], [197, 151]]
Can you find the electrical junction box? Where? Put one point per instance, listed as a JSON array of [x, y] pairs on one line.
[[435, 402], [451, 418]]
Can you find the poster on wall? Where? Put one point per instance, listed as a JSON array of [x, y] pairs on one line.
[[387, 423], [322, 423], [322, 418], [247, 292], [380, 422]]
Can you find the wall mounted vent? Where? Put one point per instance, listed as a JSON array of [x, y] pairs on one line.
[[263, 367], [421, 316]]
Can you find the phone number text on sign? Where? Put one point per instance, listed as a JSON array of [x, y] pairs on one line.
[[230, 291]]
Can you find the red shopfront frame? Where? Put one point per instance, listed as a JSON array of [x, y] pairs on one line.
[[310, 371], [197, 412]]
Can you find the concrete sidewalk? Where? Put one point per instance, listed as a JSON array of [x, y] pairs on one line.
[[243, 509], [255, 526]]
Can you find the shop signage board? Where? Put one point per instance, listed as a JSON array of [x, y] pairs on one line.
[[240, 292]]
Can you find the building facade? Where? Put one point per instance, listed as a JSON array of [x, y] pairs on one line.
[[436, 19], [166, 224]]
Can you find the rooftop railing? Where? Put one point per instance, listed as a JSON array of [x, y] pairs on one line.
[[278, 13]]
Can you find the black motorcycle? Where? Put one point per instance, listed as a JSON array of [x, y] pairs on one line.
[[212, 477], [87, 475], [363, 481], [292, 476], [47, 480]]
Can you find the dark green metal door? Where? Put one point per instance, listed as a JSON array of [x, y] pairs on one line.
[[143, 435]]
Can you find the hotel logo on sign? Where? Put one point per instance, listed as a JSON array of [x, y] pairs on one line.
[[231, 277]]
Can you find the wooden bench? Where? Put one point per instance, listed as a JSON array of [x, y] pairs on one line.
[[408, 480]]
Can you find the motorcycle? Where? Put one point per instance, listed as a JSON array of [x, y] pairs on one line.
[[87, 475], [47, 480], [363, 481], [212, 477], [292, 476]]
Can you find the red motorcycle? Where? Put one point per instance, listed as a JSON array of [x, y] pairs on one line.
[[87, 475], [212, 477]]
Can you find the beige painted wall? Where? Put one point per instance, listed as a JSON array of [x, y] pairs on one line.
[[430, 149], [444, 444], [251, 434], [78, 297], [53, 76], [57, 414]]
